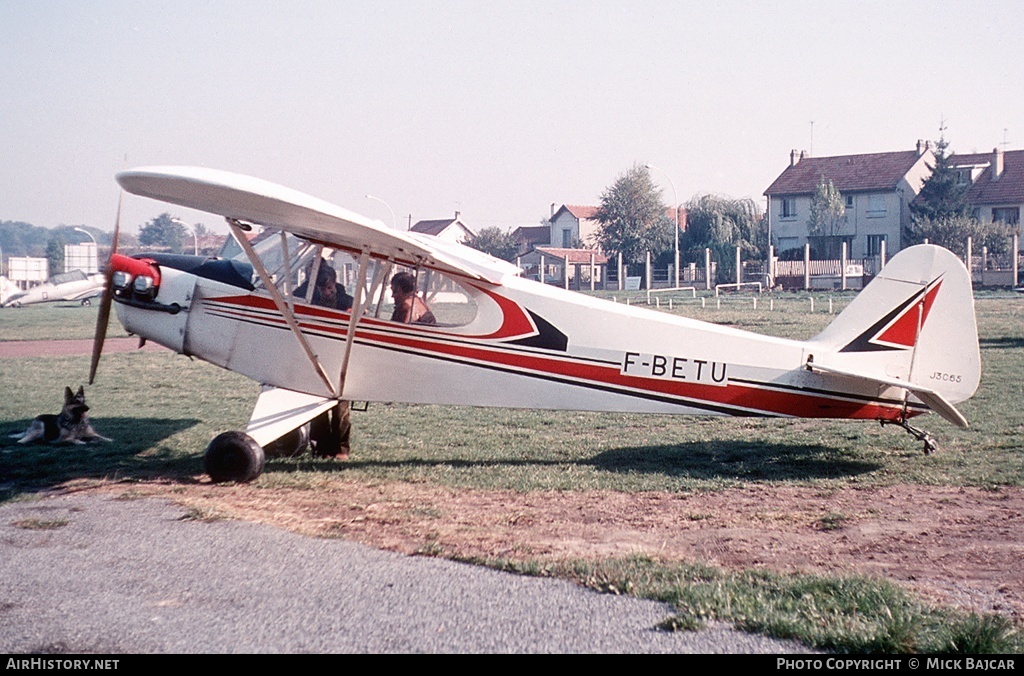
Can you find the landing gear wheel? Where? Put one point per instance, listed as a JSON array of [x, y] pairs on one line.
[[234, 456], [291, 445]]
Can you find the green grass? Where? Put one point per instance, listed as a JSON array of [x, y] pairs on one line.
[[842, 614], [52, 321], [162, 409]]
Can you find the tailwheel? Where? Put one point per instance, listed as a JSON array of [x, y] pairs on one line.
[[930, 446], [234, 456]]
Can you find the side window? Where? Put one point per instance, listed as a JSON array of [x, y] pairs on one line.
[[426, 297]]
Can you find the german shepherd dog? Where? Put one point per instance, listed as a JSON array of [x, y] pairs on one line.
[[70, 425]]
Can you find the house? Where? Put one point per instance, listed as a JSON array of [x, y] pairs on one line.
[[877, 189], [996, 181], [530, 236], [573, 226], [448, 229]]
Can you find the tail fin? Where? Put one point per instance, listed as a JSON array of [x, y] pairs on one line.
[[913, 323]]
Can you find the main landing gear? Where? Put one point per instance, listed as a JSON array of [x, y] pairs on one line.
[[929, 441], [234, 456]]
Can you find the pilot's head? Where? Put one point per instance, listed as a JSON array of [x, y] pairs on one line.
[[403, 285]]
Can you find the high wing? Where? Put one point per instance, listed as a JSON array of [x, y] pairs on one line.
[[253, 200]]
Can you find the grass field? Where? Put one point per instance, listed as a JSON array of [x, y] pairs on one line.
[[163, 409]]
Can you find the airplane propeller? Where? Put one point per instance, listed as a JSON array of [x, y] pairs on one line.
[[103, 318]]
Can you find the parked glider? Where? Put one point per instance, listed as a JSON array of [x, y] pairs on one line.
[[68, 286], [906, 345]]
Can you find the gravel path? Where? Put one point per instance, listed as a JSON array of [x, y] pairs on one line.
[[92, 573]]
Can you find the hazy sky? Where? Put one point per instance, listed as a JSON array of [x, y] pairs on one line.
[[496, 109]]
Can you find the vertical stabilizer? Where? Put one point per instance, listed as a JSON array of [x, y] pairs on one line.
[[914, 322]]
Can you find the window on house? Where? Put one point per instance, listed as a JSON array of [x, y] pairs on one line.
[[788, 208], [876, 206], [567, 239], [1008, 215], [874, 245], [849, 201]]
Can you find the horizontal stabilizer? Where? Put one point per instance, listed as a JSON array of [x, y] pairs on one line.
[[929, 397], [279, 411]]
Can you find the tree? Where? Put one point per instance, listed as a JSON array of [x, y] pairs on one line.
[[721, 224], [163, 231], [632, 217], [55, 253], [828, 216], [496, 242], [942, 194]]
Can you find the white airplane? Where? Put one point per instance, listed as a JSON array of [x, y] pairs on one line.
[[68, 286], [906, 345]]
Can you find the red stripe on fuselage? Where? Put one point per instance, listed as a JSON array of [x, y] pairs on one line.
[[432, 343]]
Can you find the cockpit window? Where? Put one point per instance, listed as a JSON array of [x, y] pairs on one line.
[[302, 271]]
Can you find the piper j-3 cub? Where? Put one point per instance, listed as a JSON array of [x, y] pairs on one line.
[[906, 345]]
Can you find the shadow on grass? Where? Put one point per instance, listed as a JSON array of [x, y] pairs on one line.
[[735, 460], [731, 459], [1003, 342], [135, 453]]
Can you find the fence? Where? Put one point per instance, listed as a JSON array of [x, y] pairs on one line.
[[987, 270]]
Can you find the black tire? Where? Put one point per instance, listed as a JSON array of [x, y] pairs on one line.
[[290, 445], [234, 456]]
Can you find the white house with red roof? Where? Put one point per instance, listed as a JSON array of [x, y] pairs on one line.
[[877, 189], [448, 229]]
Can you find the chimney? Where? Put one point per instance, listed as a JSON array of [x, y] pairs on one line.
[[552, 210], [794, 158], [920, 147], [997, 163], [457, 214]]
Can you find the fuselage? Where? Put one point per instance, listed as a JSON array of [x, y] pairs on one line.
[[529, 345]]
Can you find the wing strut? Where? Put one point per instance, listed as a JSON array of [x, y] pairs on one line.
[[357, 312], [282, 305]]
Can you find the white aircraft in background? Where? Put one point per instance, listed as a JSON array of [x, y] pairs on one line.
[[906, 345], [69, 286]]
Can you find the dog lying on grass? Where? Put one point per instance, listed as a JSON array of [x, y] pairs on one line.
[[71, 425]]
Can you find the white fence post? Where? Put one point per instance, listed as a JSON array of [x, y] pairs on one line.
[[807, 267], [707, 269], [842, 273]]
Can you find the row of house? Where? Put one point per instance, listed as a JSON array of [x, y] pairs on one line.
[[877, 189]]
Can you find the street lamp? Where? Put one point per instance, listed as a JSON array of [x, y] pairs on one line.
[[195, 237], [675, 201], [394, 223], [83, 230]]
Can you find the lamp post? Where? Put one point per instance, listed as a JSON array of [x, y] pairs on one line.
[[83, 230], [675, 200], [394, 223], [195, 237]]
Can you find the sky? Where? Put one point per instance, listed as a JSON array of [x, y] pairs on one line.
[[495, 109]]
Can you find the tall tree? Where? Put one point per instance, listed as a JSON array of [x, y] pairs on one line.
[[942, 194], [827, 218], [496, 242], [721, 224], [632, 217], [163, 231]]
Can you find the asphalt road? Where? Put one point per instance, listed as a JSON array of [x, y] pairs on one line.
[[86, 573]]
